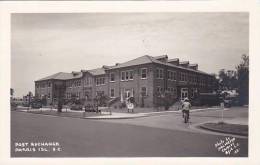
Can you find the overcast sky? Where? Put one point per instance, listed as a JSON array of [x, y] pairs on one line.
[[44, 44]]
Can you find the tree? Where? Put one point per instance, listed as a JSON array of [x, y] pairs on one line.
[[243, 79], [227, 79], [215, 83], [101, 99], [60, 88], [11, 92]]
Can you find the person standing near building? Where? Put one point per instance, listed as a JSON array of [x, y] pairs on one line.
[[186, 106], [130, 104]]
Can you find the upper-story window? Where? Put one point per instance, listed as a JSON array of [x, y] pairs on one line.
[[88, 81], [49, 84], [143, 73], [182, 76], [112, 77], [123, 76], [159, 73], [127, 75], [131, 75], [100, 81], [186, 77], [78, 83], [171, 75], [174, 76]]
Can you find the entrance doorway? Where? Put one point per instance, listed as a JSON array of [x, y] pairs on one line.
[[184, 93], [129, 93], [126, 93]]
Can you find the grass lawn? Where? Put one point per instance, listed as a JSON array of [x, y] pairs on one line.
[[226, 128], [66, 114]]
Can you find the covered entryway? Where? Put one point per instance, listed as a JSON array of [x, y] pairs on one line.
[[126, 93], [184, 93]]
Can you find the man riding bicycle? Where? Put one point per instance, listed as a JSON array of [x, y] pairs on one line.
[[186, 106]]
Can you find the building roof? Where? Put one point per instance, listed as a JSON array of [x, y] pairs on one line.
[[96, 72], [62, 76], [146, 59], [137, 61], [174, 59]]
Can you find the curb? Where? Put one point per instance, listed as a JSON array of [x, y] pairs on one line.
[[111, 118], [222, 131], [135, 116]]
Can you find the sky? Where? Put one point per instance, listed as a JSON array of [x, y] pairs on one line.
[[44, 44]]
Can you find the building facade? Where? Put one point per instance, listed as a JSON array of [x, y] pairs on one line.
[[143, 78]]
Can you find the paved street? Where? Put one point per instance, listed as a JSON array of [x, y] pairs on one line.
[[155, 136]]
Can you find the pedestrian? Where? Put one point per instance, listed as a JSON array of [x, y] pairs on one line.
[[130, 104], [186, 106]]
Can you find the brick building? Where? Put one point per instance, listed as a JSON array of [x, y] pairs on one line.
[[142, 78]]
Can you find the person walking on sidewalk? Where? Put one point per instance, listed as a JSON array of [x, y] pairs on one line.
[[186, 106]]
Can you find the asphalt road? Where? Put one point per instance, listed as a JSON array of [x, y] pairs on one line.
[[91, 138]]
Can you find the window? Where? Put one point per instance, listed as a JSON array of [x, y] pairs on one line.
[[127, 75], [100, 81], [159, 89], [112, 93], [186, 77], [88, 81], [159, 73], [69, 84], [131, 75], [171, 75], [174, 76], [122, 76], [143, 91], [182, 77], [112, 77], [49, 95], [143, 73], [78, 83], [49, 84]]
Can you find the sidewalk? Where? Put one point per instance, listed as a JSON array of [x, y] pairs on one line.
[[118, 115], [106, 114]]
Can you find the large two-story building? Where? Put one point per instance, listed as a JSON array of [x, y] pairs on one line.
[[142, 78]]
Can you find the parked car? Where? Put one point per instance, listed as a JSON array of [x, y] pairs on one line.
[[36, 105], [231, 101], [210, 99], [76, 107], [90, 108]]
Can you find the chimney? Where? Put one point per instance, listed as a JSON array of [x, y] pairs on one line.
[[74, 73], [174, 61], [185, 64], [163, 58], [193, 66], [117, 64], [105, 67]]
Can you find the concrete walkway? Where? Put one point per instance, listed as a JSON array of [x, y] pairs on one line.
[[117, 115]]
